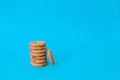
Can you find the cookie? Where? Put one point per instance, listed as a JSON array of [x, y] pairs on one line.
[[38, 54], [50, 56], [43, 64], [38, 57], [40, 61], [39, 51], [37, 43], [38, 48]]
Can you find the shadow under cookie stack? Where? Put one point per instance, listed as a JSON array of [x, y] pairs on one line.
[[38, 53]]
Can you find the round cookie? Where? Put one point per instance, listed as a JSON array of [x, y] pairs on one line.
[[39, 51], [38, 54], [39, 57], [50, 55], [37, 43], [43, 64], [40, 61], [38, 48]]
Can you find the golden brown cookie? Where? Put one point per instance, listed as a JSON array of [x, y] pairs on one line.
[[38, 54], [50, 55], [39, 51], [38, 48], [38, 57], [43, 64], [37, 43], [40, 61]]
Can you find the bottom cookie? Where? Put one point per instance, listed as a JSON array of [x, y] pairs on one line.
[[39, 65]]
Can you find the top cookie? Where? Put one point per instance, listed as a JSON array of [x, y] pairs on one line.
[[37, 43]]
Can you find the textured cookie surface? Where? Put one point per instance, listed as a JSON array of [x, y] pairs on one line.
[[38, 57], [50, 56], [39, 51], [38, 48], [43, 64], [40, 61], [38, 54], [37, 43]]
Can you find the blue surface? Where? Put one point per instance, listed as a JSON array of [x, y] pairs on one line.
[[84, 36]]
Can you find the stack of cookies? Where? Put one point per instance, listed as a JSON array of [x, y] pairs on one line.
[[38, 53]]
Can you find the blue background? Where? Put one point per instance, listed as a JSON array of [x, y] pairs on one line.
[[84, 36]]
